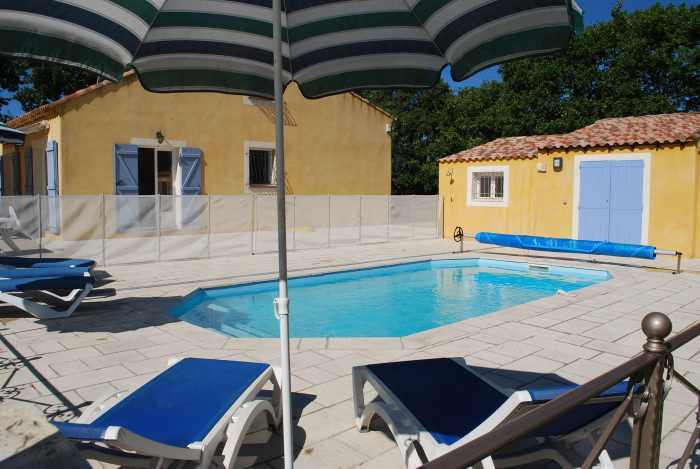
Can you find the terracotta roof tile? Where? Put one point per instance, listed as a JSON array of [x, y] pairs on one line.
[[506, 148], [643, 130]]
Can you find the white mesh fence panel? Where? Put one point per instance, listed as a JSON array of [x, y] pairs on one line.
[[311, 221], [375, 218], [425, 216], [184, 227], [19, 226], [72, 227], [266, 223], [345, 219], [231, 225], [131, 229], [400, 221]]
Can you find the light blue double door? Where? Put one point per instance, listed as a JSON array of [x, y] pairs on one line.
[[611, 201]]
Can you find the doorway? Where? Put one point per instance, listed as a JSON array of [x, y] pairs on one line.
[[613, 199], [155, 171]]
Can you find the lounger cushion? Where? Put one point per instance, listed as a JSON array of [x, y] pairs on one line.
[[581, 416], [72, 282], [183, 403], [446, 398], [43, 272], [45, 262]]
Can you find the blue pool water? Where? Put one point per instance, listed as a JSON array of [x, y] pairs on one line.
[[390, 301]]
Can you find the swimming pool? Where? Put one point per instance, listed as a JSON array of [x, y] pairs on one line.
[[390, 301]]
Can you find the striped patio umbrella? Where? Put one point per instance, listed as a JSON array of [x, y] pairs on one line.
[[10, 135], [257, 47]]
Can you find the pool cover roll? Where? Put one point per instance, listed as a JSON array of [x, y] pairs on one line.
[[578, 246]]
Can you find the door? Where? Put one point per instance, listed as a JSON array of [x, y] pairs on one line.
[[594, 201], [611, 201], [626, 201]]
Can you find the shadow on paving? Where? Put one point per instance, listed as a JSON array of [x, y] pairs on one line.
[[258, 447]]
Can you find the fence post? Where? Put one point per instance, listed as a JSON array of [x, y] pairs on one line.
[[41, 233], [157, 199], [209, 227], [360, 223], [388, 218], [103, 216], [253, 217], [294, 221], [646, 445], [411, 217]]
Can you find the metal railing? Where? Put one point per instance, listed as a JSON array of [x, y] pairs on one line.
[[647, 372]]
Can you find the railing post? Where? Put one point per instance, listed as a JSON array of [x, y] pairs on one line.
[[647, 424]]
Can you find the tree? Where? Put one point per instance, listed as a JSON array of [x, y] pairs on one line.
[[35, 83], [638, 63], [645, 62]]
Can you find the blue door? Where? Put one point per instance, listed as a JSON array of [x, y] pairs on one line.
[[611, 201], [53, 201]]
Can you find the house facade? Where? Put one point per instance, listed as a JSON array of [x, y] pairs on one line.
[[120, 139], [630, 180]]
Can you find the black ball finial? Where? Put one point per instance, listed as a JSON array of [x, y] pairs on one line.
[[656, 326]]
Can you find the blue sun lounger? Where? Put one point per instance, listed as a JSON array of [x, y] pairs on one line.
[[46, 284], [434, 406], [28, 262], [181, 415]]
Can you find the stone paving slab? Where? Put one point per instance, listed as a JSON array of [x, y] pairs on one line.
[[122, 336]]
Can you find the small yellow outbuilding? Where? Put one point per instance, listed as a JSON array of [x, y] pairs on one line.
[[630, 180], [120, 139]]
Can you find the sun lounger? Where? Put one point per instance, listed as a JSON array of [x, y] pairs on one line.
[[77, 283], [434, 406], [181, 415], [28, 262]]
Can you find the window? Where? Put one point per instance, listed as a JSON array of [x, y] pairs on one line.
[[261, 164], [488, 186]]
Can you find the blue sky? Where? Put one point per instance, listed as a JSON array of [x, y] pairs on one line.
[[594, 12]]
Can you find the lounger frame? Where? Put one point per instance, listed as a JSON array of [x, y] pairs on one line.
[[69, 302], [127, 448], [418, 446]]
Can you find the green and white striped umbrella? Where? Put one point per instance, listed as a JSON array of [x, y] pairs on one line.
[[329, 46], [11, 136], [256, 47]]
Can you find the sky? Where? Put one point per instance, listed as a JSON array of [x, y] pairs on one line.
[[594, 11]]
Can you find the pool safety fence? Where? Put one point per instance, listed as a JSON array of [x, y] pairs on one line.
[[116, 229]]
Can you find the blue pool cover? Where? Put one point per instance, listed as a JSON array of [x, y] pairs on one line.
[[578, 246]]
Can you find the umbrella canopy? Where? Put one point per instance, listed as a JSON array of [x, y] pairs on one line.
[[256, 47], [328, 46], [10, 135]]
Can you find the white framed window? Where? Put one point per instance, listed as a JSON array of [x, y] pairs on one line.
[[487, 186], [259, 166]]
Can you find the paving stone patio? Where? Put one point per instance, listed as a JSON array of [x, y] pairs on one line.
[[123, 335]]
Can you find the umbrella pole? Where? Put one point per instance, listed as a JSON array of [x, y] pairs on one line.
[[282, 301]]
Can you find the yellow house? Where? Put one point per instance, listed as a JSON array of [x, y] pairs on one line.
[[121, 139], [631, 180]]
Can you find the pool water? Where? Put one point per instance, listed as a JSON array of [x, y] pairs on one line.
[[391, 301]]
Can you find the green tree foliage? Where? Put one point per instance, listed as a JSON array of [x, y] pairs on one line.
[[35, 83], [645, 62]]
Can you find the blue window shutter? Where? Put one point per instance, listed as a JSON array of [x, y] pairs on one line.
[[52, 186], [29, 171], [126, 182], [126, 169], [191, 167]]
